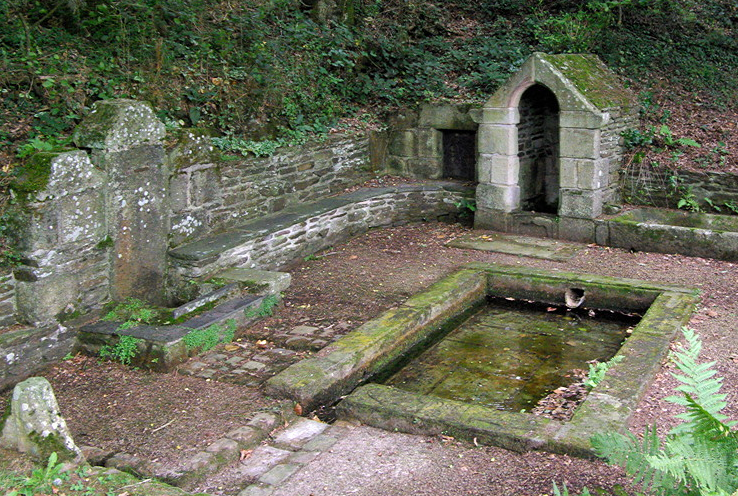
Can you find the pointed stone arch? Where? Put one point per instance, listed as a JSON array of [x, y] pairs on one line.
[[593, 108]]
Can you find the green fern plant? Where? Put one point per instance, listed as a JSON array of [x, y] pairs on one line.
[[700, 455]]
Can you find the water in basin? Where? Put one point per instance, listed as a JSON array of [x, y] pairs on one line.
[[511, 354]]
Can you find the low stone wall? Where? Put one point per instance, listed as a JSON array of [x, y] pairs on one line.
[[25, 351], [648, 186], [301, 232], [210, 194]]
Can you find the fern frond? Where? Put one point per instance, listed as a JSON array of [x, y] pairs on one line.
[[565, 491], [709, 426], [634, 456], [698, 381]]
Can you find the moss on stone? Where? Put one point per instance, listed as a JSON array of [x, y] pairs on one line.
[[51, 444], [593, 79], [105, 243], [33, 175]]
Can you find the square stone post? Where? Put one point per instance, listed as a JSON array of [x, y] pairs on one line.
[[126, 141]]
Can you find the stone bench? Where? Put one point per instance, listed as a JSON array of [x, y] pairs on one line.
[[298, 231]]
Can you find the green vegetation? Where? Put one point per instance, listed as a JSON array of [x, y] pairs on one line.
[[123, 351], [265, 308], [700, 455], [205, 339], [41, 480], [598, 370], [135, 312]]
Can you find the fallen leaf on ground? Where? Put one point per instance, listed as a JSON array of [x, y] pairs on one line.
[[244, 454]]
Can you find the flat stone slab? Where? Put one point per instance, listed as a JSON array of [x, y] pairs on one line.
[[299, 433], [511, 244], [262, 460], [273, 281]]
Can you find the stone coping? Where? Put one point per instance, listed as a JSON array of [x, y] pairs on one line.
[[215, 244], [380, 343]]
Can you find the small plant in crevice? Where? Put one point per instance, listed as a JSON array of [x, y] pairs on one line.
[[123, 351], [207, 338], [133, 312], [688, 200], [265, 309], [467, 207], [597, 371]]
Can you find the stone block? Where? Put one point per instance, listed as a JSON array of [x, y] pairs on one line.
[[583, 173], [498, 197], [454, 117], [500, 169], [42, 300], [583, 119], [264, 421], [573, 229], [429, 142], [579, 143], [191, 147], [258, 490], [402, 144], [497, 139], [118, 125], [246, 436], [425, 168], [224, 449], [581, 204], [506, 115]]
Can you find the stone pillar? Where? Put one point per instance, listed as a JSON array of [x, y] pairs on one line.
[[498, 166], [584, 175], [126, 141], [62, 239]]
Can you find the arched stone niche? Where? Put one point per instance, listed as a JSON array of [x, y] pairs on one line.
[[549, 144]]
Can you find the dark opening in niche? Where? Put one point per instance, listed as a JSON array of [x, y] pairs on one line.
[[538, 150], [460, 155]]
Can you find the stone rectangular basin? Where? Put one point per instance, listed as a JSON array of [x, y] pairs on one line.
[[675, 231], [349, 365]]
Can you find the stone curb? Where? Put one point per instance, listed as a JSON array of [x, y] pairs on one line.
[[226, 449], [295, 447]]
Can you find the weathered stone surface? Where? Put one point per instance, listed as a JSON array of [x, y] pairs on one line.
[[35, 425], [25, 351], [454, 117], [119, 124], [299, 433], [674, 231], [279, 474], [262, 460], [272, 281], [339, 367], [548, 249], [132, 464]]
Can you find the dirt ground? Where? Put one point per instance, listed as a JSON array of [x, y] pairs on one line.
[[167, 417]]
